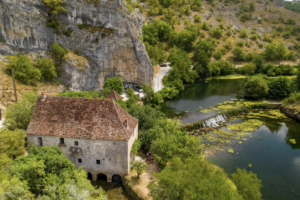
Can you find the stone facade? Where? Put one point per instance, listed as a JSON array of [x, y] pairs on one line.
[[114, 156], [110, 42]]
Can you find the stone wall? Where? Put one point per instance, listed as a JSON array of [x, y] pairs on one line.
[[113, 155], [291, 112], [110, 43]]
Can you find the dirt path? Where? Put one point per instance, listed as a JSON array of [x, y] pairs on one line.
[[158, 85]]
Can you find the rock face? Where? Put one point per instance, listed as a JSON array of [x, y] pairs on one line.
[[279, 3], [110, 41]]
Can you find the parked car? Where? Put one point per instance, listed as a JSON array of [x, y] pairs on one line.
[[163, 65], [138, 88]]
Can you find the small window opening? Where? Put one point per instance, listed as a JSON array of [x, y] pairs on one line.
[[62, 140], [103, 159], [79, 160], [76, 143], [125, 123], [98, 162], [40, 141]]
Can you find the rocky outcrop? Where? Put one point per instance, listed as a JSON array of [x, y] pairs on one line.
[[110, 41], [279, 3], [291, 112]]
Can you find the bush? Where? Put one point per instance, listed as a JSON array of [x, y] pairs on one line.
[[247, 184], [244, 33], [218, 55], [256, 87], [114, 83], [280, 88], [238, 54], [58, 52], [47, 68], [23, 69]]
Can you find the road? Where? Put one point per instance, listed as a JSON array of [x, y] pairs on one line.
[[158, 85]]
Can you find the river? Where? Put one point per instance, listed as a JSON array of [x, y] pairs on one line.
[[273, 158]]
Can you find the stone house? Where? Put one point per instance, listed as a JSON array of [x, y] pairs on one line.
[[95, 134]]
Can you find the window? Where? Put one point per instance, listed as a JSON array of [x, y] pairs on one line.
[[98, 162], [79, 160], [76, 143], [40, 141], [62, 140], [125, 123]]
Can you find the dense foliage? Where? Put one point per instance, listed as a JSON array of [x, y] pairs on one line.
[[48, 173], [19, 114], [113, 83], [260, 86], [292, 6], [23, 69]]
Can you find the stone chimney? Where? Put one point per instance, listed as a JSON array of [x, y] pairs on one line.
[[43, 97]]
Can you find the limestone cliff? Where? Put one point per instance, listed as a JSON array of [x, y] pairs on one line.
[[110, 43]]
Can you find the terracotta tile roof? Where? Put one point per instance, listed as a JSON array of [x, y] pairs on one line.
[[114, 96], [81, 118]]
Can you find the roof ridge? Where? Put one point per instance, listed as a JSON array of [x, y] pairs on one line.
[[120, 118]]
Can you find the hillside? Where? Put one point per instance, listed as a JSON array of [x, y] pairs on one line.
[[265, 22]]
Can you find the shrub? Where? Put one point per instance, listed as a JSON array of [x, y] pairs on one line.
[[256, 87], [114, 83], [47, 68], [244, 33], [58, 52], [238, 54], [280, 88], [23, 69], [218, 55]]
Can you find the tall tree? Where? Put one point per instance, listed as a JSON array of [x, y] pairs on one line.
[[203, 52]]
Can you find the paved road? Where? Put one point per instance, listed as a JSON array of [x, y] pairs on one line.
[[158, 85]]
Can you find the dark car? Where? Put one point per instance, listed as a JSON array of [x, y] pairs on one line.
[[163, 65], [138, 88]]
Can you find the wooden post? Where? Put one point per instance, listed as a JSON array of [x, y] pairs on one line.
[[13, 76]]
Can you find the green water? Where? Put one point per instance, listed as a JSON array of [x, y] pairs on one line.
[[273, 158], [204, 94], [114, 191]]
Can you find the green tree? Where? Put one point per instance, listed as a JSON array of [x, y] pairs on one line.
[[186, 37], [244, 33], [114, 83], [280, 88], [59, 52], [12, 143], [132, 98], [238, 54], [193, 179], [249, 68], [252, 6], [216, 33], [171, 141], [139, 166], [18, 115], [50, 173], [23, 69], [270, 52], [258, 60], [151, 98], [55, 6], [281, 51], [47, 68], [135, 147], [5, 162], [256, 87], [202, 55], [13, 188], [298, 80], [247, 183]]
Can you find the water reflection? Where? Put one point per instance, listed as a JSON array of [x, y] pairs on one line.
[[114, 191], [275, 160]]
